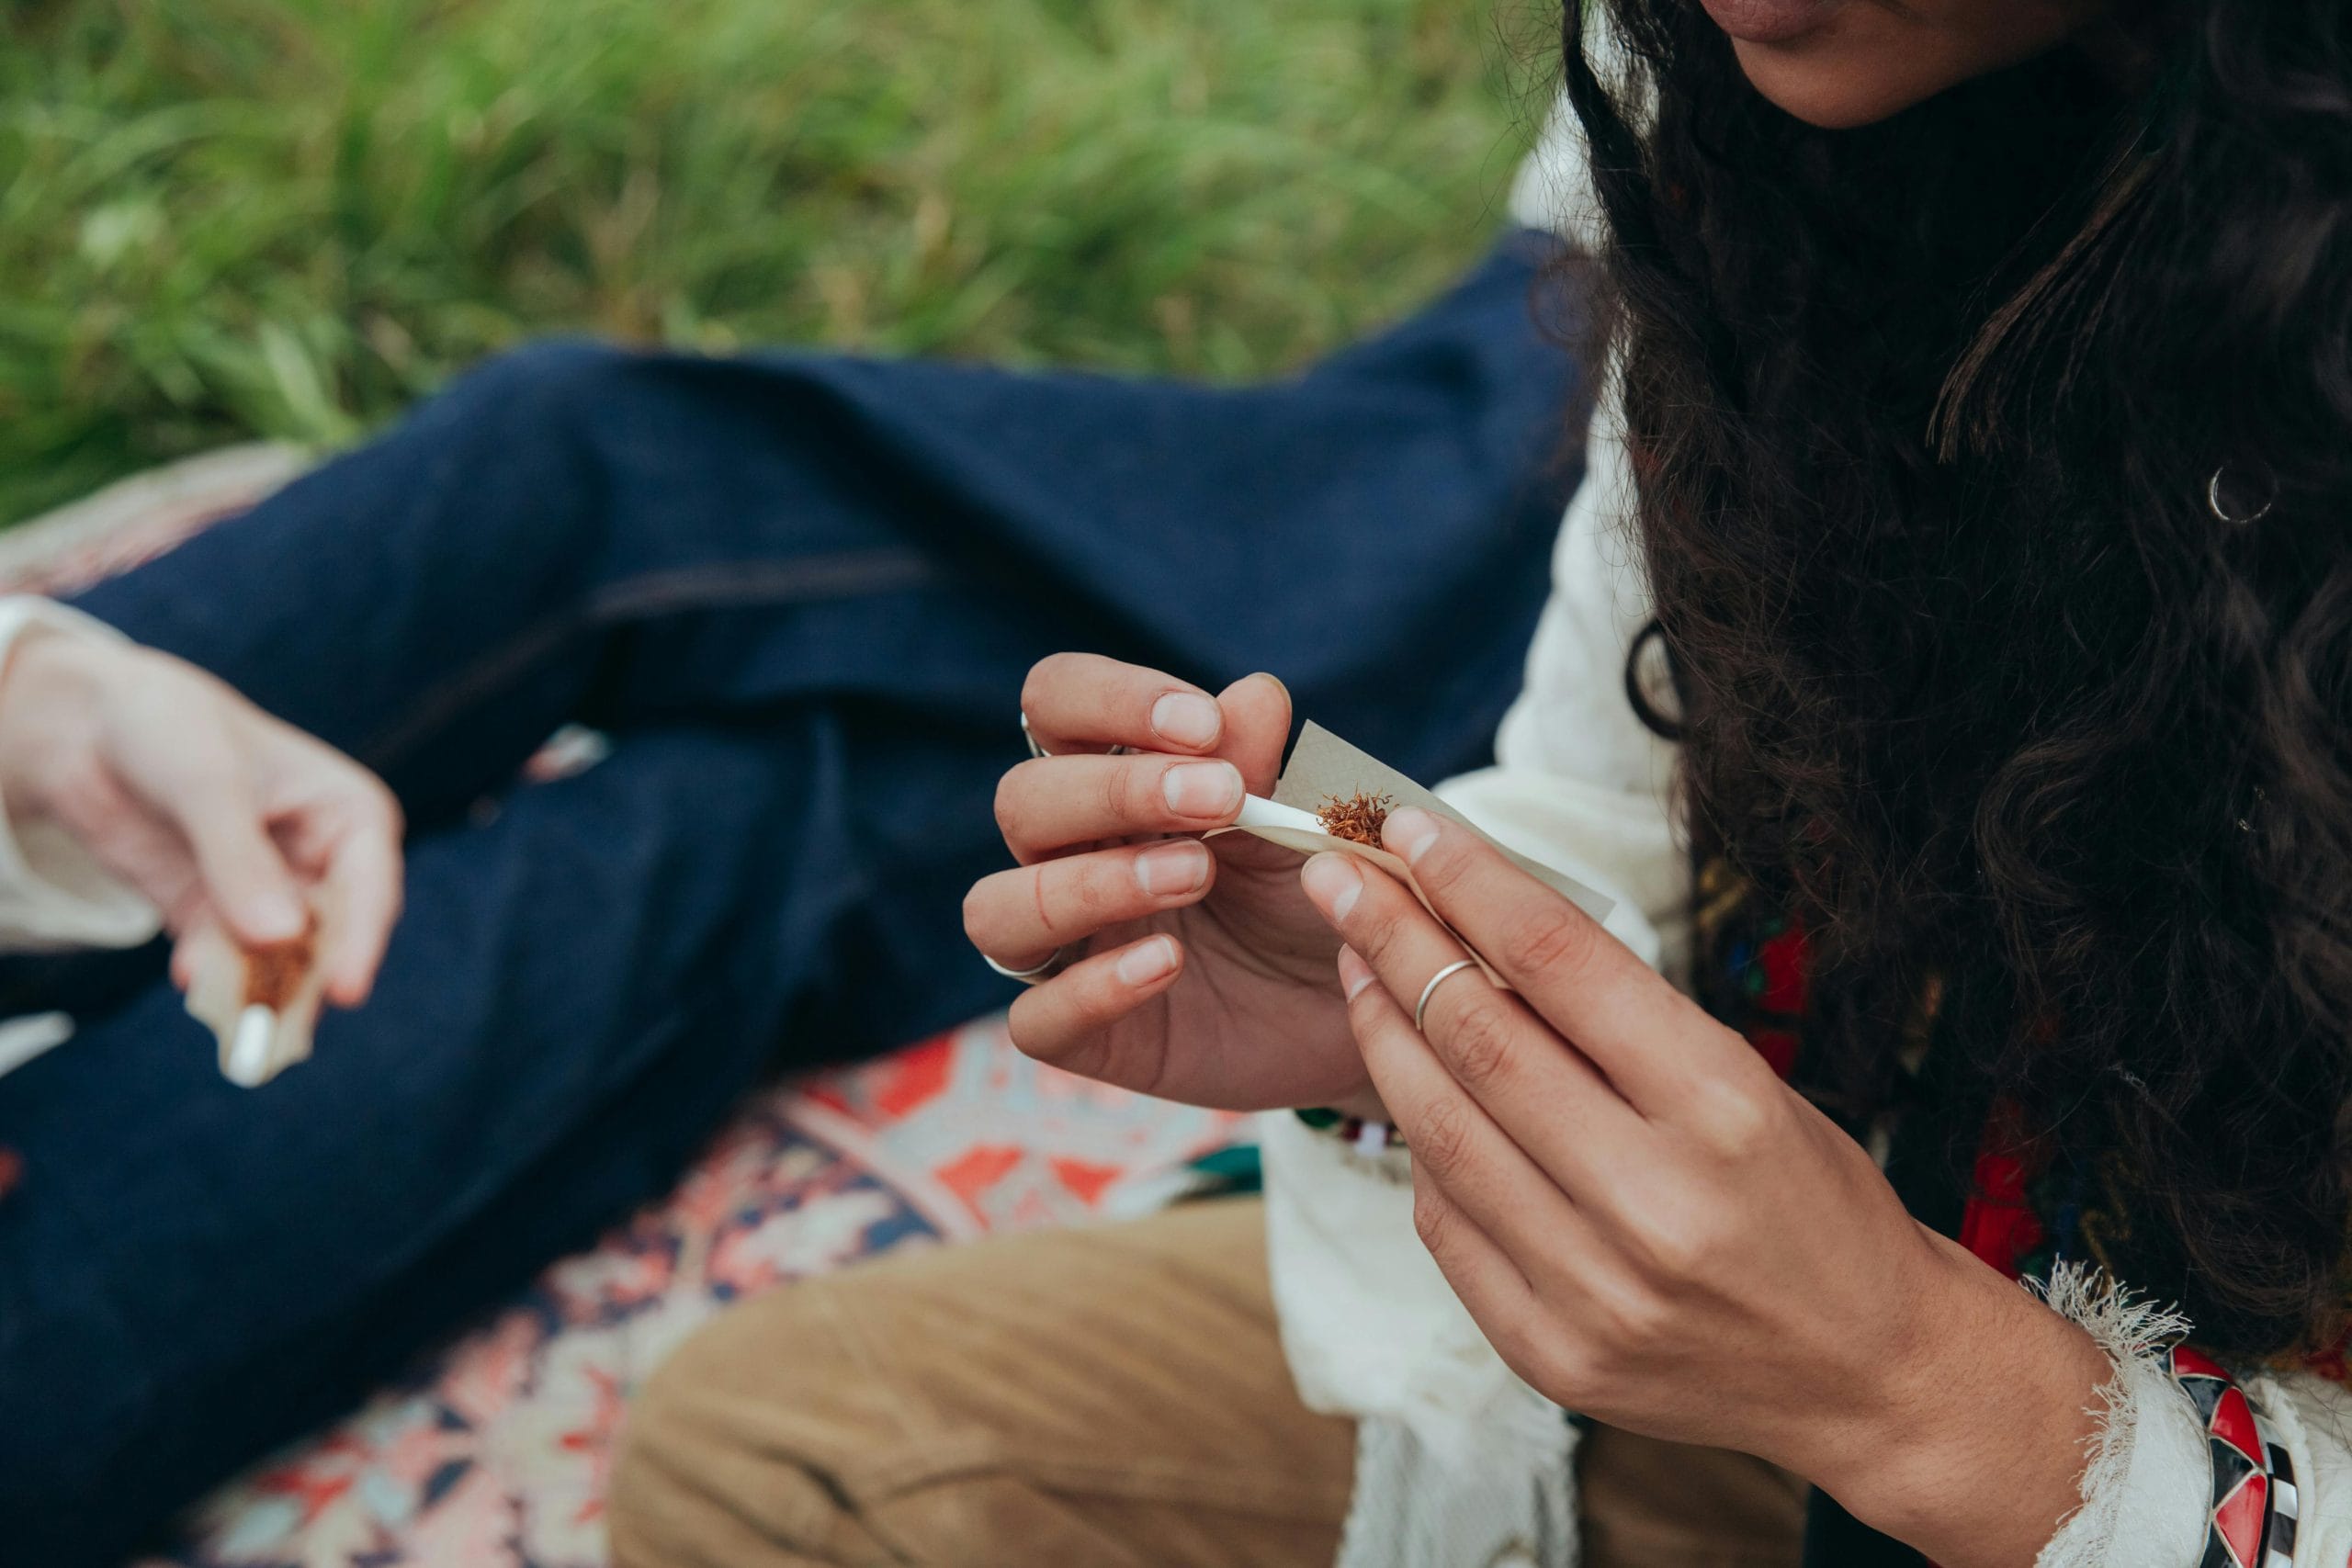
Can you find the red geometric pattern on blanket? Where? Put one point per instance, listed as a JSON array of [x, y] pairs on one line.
[[494, 1454]]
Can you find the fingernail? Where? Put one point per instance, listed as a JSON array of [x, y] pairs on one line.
[[1410, 832], [1202, 789], [1334, 883], [1187, 719], [1142, 965], [1172, 868], [1354, 972]]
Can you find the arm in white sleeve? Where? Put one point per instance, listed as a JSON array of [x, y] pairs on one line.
[[52, 892], [2149, 1486], [2146, 1476]]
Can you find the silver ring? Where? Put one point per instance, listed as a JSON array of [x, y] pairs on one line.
[[1054, 963], [1037, 750], [1421, 1007]]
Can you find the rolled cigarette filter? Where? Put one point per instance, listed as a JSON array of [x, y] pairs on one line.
[[248, 1062]]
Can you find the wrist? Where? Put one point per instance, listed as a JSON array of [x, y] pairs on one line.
[[1973, 1451], [48, 684]]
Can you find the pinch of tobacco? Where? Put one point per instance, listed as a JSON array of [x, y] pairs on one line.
[[274, 971], [1357, 818]]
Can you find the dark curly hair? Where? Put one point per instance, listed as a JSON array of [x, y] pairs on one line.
[[1974, 682]]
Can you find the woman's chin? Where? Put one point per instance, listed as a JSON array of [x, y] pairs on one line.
[[1811, 81], [1839, 65]]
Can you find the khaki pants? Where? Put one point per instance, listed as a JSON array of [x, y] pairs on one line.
[[1103, 1398]]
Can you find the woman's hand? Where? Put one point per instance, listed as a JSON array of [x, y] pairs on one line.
[[212, 810], [1201, 973], [1652, 1229]]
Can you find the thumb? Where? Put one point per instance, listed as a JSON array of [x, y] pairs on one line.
[[244, 875], [1256, 728]]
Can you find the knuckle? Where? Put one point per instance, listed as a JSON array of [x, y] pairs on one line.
[[1088, 892], [1140, 789], [1027, 1028], [1679, 1244], [1445, 868], [1372, 930], [1557, 942], [1736, 1122], [384, 811], [1634, 1320], [1576, 1367], [1673, 1250], [1441, 1141], [1478, 1047], [1122, 794], [1037, 686], [1517, 1342], [1011, 799], [1565, 1368], [1433, 1223]]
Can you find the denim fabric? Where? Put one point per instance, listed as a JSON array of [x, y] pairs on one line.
[[801, 594]]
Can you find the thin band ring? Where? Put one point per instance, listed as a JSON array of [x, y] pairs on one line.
[[1421, 1007], [1035, 974]]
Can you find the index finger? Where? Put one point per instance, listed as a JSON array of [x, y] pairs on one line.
[[1084, 701], [1653, 1042], [365, 876]]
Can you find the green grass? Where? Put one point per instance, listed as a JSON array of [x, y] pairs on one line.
[[230, 218]]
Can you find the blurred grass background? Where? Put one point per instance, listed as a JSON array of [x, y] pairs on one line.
[[222, 219]]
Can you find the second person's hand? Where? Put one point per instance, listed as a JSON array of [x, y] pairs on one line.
[[217, 814], [1196, 971]]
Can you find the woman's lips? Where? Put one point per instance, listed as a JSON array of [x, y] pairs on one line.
[[1770, 21]]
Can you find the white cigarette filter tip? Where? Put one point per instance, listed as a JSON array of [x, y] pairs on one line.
[[249, 1048], [1259, 812]]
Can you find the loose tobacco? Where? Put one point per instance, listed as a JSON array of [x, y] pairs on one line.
[[1357, 818]]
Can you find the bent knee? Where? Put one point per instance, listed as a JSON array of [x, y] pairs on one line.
[[730, 1454]]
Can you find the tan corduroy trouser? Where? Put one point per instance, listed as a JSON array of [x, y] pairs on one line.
[[1103, 1398]]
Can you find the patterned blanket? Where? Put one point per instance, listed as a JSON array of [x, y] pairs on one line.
[[493, 1454]]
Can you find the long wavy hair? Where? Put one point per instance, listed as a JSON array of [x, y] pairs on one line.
[[1974, 682]]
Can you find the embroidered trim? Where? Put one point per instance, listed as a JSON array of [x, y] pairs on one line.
[[2252, 1521], [2132, 1407]]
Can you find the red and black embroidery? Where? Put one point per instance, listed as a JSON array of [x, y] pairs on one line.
[[2251, 1522], [2020, 1209]]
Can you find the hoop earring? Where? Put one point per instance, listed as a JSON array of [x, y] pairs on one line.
[[2231, 509]]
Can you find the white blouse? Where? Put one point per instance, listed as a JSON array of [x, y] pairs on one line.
[[1458, 1461]]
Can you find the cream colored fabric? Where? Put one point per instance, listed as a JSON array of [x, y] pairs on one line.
[[53, 894]]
